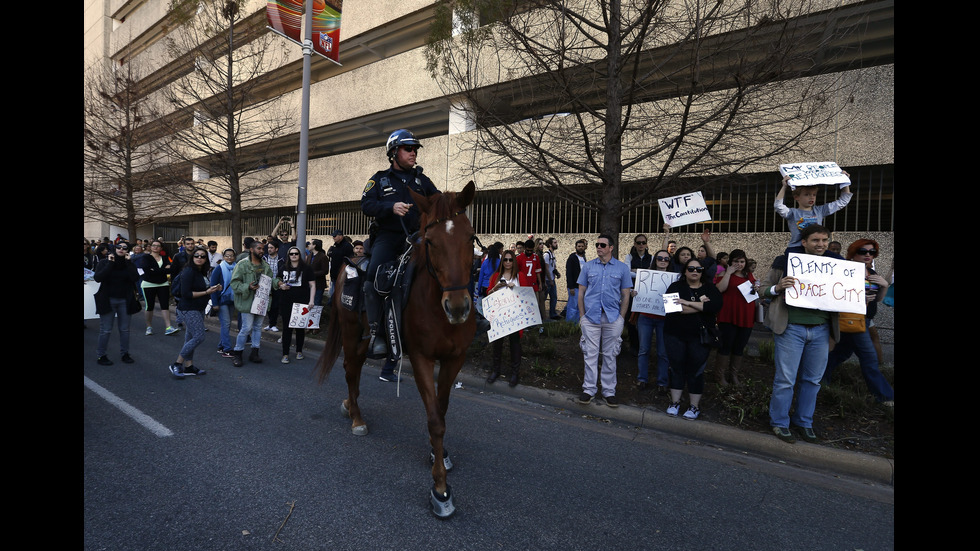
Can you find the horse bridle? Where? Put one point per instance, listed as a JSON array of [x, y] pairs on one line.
[[428, 261]]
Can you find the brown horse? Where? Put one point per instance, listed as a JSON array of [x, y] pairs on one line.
[[439, 321]]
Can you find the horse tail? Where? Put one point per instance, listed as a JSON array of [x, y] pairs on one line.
[[334, 338]]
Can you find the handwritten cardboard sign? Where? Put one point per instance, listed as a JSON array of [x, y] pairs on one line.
[[509, 310], [650, 286], [814, 174], [684, 209], [303, 316], [824, 283], [260, 303]]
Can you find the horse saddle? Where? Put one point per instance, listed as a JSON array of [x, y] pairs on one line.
[[392, 282]]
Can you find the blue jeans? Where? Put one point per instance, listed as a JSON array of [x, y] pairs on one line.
[[645, 326], [117, 308], [224, 316], [551, 290], [250, 323], [194, 333], [571, 309], [802, 351], [860, 344]]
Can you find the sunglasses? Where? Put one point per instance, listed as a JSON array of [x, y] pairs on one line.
[[601, 245], [122, 248], [693, 269], [508, 259], [872, 252], [200, 256], [639, 242], [663, 259], [410, 148], [293, 254]]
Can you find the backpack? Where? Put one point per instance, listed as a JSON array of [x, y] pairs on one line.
[[175, 286]]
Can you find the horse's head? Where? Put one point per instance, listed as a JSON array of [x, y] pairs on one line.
[[447, 238]]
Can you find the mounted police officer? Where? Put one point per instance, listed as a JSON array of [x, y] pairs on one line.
[[387, 200]]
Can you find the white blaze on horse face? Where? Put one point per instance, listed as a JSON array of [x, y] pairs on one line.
[[449, 227]]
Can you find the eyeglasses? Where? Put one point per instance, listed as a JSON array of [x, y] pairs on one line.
[[872, 252], [663, 259], [410, 148], [602, 245], [693, 269], [200, 256], [639, 242]]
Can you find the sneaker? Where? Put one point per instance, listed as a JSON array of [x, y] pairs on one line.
[[299, 355], [285, 359], [807, 434], [672, 409], [279, 340], [784, 434], [585, 398], [226, 353], [171, 330], [612, 401], [193, 370], [273, 329], [266, 328], [692, 413], [177, 370], [104, 360], [889, 404], [149, 331], [389, 377], [127, 359]]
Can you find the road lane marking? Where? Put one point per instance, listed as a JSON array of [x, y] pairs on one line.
[[137, 415]]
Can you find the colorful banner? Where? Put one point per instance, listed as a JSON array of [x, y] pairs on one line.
[[286, 17]]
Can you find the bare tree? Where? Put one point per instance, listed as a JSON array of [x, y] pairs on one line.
[[612, 104], [118, 163], [228, 127]]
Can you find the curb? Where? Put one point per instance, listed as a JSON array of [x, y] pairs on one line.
[[815, 456]]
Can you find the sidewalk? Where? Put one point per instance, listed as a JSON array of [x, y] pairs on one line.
[[815, 456]]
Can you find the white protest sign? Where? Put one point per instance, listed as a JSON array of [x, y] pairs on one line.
[[814, 174], [91, 287], [684, 209], [824, 283], [260, 303], [303, 316], [509, 310], [748, 290], [650, 286], [670, 303]]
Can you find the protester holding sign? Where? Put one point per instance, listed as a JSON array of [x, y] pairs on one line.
[[506, 276], [802, 337], [688, 334], [858, 339], [647, 323], [245, 283], [298, 283], [807, 211], [736, 318]]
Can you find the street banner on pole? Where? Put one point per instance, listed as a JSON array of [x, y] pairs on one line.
[[285, 17]]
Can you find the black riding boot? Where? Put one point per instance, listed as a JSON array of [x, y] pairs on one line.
[[377, 347]]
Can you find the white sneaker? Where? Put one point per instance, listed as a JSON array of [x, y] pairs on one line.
[[266, 328], [273, 328], [285, 359], [672, 409], [299, 355], [692, 413], [149, 330]]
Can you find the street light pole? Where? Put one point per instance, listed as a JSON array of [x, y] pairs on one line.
[[304, 133]]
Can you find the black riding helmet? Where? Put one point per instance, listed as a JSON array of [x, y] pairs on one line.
[[400, 137]]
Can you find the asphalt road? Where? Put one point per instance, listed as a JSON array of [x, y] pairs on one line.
[[260, 457]]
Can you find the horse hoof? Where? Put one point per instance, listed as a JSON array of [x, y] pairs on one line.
[[442, 506], [445, 459], [360, 430]]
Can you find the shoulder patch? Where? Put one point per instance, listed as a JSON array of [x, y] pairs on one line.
[[369, 185]]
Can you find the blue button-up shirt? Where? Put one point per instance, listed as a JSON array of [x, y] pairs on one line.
[[604, 284]]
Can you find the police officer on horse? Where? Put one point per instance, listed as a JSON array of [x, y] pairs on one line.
[[386, 199]]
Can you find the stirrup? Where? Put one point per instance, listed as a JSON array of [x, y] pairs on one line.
[[377, 348]]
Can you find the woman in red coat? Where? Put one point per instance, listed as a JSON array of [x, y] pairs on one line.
[[736, 318]]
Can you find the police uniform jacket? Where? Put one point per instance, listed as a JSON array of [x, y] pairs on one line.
[[391, 186]]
